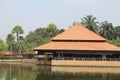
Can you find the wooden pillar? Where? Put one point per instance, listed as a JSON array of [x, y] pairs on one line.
[[58, 55]]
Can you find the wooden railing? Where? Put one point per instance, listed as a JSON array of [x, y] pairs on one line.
[[84, 59]]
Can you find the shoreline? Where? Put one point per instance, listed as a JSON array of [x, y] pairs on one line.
[[18, 61], [64, 63]]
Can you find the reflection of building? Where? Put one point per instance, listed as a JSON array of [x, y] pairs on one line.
[[85, 69], [79, 43]]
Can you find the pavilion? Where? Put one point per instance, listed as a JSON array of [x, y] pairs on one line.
[[79, 43]]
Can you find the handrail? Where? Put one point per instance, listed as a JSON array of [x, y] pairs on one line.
[[84, 59]]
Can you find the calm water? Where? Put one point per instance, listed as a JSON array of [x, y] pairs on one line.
[[33, 72]]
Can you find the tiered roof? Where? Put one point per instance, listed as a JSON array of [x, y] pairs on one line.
[[78, 38], [78, 32]]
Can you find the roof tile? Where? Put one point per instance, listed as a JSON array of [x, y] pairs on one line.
[[78, 32], [94, 46], [78, 38]]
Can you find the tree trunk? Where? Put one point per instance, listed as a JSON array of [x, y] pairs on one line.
[[17, 35]]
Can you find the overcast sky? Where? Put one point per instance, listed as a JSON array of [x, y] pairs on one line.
[[32, 14]]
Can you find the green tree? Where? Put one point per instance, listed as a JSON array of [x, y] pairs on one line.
[[15, 42], [2, 46], [10, 41], [106, 30], [17, 30], [52, 30], [42, 32], [20, 44], [115, 42], [41, 36], [32, 40], [75, 22], [116, 32], [90, 23], [61, 30]]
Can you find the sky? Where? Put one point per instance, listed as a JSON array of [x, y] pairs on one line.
[[32, 14]]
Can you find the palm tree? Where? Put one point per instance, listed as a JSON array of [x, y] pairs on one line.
[[106, 30], [89, 22], [17, 30], [21, 46]]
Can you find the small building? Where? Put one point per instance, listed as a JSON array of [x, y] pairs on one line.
[[9, 55], [79, 43]]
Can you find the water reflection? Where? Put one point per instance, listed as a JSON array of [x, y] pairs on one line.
[[33, 72], [17, 72], [65, 73], [86, 69]]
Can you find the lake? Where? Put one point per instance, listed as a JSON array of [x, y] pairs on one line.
[[35, 72]]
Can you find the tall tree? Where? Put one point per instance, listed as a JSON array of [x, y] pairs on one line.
[[17, 30], [32, 40], [2, 46], [10, 39], [20, 44], [41, 36], [90, 23], [52, 30], [10, 42], [116, 32], [106, 30]]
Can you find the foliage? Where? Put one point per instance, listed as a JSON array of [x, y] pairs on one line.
[[16, 43], [10, 39], [115, 42], [2, 46], [52, 30], [41, 36], [75, 22], [32, 40], [17, 30], [90, 23], [19, 44], [116, 32], [106, 30]]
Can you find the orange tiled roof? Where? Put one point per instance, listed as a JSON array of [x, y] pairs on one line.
[[94, 46], [78, 32], [78, 38], [8, 52]]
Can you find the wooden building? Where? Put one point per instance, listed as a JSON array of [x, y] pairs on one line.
[[79, 43]]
